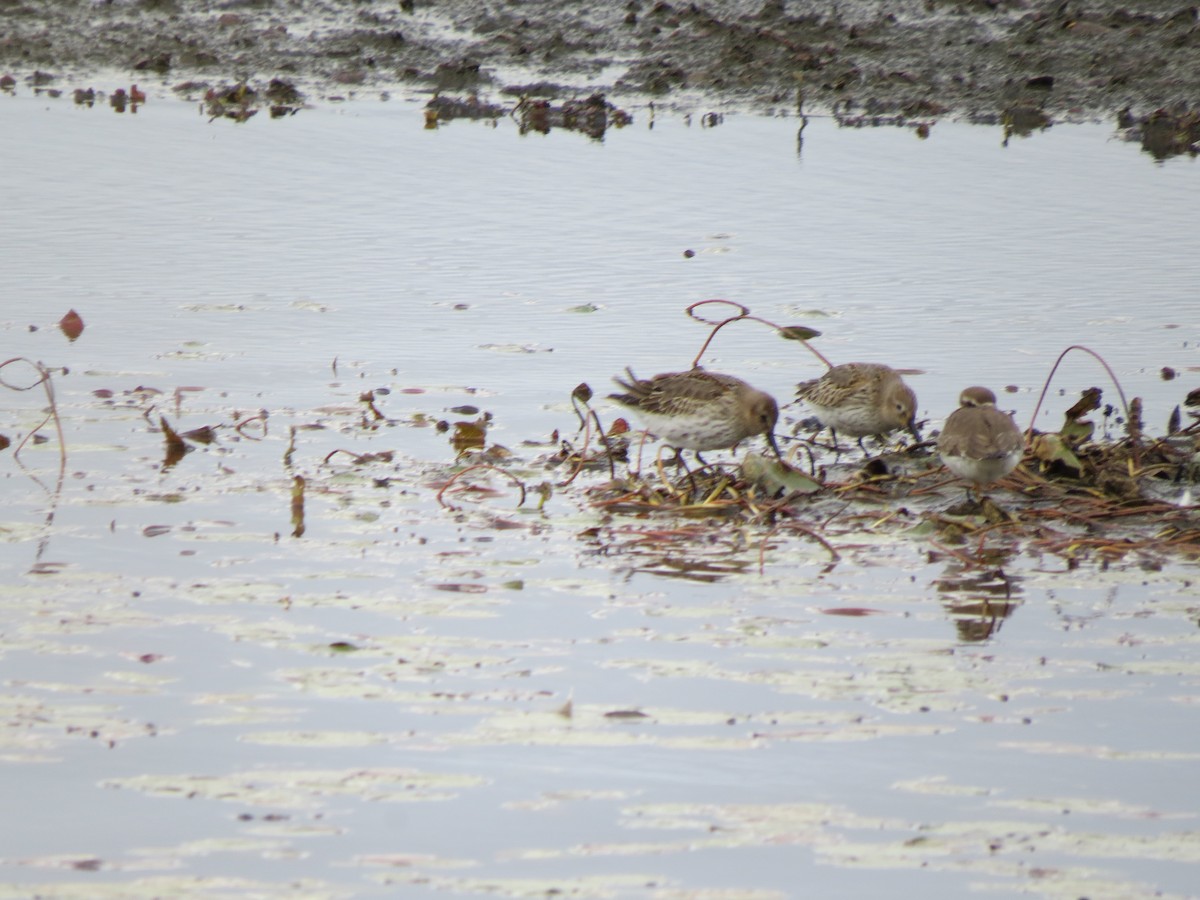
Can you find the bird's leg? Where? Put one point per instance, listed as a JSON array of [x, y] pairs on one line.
[[679, 462], [837, 448]]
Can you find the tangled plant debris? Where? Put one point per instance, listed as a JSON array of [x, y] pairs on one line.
[[1077, 495], [1085, 492]]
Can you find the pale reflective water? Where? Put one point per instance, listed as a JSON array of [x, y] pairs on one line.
[[291, 265]]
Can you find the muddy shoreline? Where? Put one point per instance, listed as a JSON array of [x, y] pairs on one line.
[[928, 57], [1018, 61]]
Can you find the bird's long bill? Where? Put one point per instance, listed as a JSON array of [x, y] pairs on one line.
[[912, 429], [774, 446]]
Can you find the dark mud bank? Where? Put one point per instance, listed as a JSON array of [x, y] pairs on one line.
[[916, 58]]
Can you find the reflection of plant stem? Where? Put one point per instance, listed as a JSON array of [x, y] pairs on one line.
[[457, 475], [48, 386], [260, 417], [291, 447], [834, 556], [743, 314]]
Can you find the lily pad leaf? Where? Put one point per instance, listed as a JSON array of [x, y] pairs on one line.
[[1076, 431], [776, 477], [626, 714], [71, 325], [798, 333], [1051, 449]]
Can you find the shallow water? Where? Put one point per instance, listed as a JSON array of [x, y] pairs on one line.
[[378, 706]]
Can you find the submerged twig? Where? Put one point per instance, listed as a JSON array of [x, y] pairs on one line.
[[291, 447]]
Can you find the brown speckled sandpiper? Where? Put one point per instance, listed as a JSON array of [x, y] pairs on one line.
[[861, 399], [699, 410]]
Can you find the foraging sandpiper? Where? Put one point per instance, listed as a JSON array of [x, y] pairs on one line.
[[861, 399], [700, 410]]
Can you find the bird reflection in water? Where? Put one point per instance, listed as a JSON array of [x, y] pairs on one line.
[[979, 598]]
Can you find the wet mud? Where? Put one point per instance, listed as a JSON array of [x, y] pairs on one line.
[[914, 58]]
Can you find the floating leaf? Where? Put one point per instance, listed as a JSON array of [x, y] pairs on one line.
[[798, 333], [176, 448], [4, 442], [298, 506], [342, 647], [205, 434], [1076, 431], [71, 325], [155, 530], [852, 611], [517, 348], [777, 477], [469, 435], [1051, 449], [1173, 423], [504, 524], [47, 568], [1089, 400]]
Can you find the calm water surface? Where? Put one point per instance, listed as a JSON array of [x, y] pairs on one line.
[[196, 701]]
